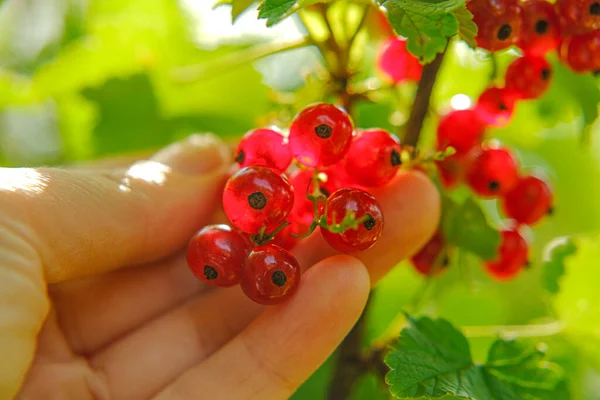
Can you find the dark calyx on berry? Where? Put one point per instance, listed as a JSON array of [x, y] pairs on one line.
[[550, 211], [395, 158], [323, 131], [325, 192], [445, 261], [210, 273], [369, 222], [494, 185], [278, 278], [502, 106], [257, 200], [546, 73], [541, 26], [240, 157], [504, 32], [595, 8]]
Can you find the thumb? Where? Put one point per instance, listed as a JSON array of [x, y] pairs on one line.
[[83, 222]]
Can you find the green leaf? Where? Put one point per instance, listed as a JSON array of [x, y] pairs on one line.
[[432, 358], [554, 262], [467, 29], [275, 10], [237, 7], [466, 227], [516, 370], [427, 24]]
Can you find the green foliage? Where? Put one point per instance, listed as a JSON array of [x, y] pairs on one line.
[[237, 7], [433, 359], [466, 227], [467, 29], [428, 25], [554, 264], [275, 10]]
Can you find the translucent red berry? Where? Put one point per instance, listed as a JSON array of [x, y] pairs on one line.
[[216, 254], [512, 256], [320, 135], [581, 52], [431, 259], [460, 129], [452, 169], [285, 238], [373, 158], [578, 16], [302, 181], [264, 147], [496, 105], [529, 76], [270, 275], [257, 196], [361, 204], [493, 173], [540, 32], [498, 22], [528, 201], [397, 63]]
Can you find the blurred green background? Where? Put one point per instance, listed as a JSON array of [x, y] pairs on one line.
[[83, 79]]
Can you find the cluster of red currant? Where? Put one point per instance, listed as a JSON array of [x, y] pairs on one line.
[[272, 201], [537, 26]]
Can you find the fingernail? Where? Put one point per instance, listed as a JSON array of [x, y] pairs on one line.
[[197, 154]]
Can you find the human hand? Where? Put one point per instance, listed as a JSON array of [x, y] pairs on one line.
[[98, 303]]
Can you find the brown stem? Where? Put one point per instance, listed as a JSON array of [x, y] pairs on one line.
[[414, 124]]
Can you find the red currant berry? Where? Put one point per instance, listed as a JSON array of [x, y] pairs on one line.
[[498, 22], [430, 260], [578, 16], [460, 129], [528, 201], [257, 196], [320, 135], [284, 238], [373, 158], [529, 76], [270, 275], [264, 147], [541, 31], [361, 204], [582, 52], [492, 173], [216, 254], [302, 181], [512, 256], [496, 106], [452, 169], [397, 63]]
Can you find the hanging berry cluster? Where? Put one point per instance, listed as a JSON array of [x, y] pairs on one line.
[[287, 186]]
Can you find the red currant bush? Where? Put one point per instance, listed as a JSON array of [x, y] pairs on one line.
[[270, 275], [493, 173], [498, 22], [541, 30], [529, 201], [496, 106], [363, 206], [256, 197], [216, 254], [529, 77], [264, 147], [431, 259], [397, 63], [320, 135], [512, 256], [460, 129], [373, 158]]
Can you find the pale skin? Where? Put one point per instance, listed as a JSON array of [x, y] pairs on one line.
[[97, 301]]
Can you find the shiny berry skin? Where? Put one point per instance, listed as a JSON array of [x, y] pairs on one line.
[[264, 147], [512, 256], [460, 129], [495, 106], [581, 52], [361, 204], [373, 158], [578, 16], [256, 197], [498, 22], [528, 201], [320, 135], [452, 169], [216, 254], [270, 275], [430, 260], [397, 63], [284, 238], [540, 32], [529, 76], [493, 173]]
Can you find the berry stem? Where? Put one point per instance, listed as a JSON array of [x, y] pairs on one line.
[[421, 103]]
